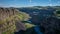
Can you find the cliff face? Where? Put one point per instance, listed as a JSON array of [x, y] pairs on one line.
[[8, 21]]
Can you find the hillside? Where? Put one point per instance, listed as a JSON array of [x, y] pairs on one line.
[[47, 19], [10, 20]]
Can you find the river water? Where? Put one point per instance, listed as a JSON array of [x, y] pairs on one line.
[[37, 29]]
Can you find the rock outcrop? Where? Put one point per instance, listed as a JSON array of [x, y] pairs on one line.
[[9, 21]]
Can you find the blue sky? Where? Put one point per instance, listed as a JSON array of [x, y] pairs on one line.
[[26, 3]]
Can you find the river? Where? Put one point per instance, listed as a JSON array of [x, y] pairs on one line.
[[38, 16]]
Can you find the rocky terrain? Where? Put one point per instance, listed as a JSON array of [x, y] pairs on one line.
[[44, 17], [11, 20]]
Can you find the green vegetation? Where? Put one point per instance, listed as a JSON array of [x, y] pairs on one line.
[[23, 16], [30, 31], [57, 13], [8, 19], [28, 25], [29, 28]]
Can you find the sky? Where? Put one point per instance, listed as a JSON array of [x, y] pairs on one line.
[[27, 3]]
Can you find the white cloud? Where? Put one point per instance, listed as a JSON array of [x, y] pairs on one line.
[[3, 5], [50, 4]]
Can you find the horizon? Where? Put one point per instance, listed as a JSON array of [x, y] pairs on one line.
[[28, 6], [28, 3]]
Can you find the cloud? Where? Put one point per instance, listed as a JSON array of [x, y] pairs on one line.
[[14, 5], [1, 5], [4, 5]]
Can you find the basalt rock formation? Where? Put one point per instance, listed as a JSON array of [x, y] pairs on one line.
[[10, 21]]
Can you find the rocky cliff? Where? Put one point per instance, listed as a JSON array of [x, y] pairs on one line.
[[10, 20]]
